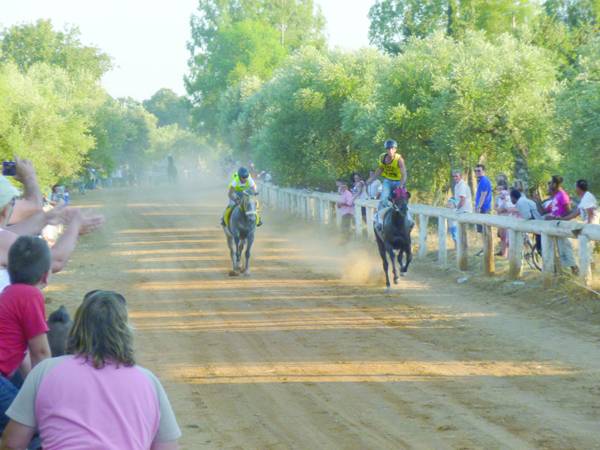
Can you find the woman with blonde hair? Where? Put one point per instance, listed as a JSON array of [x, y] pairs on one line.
[[95, 397]]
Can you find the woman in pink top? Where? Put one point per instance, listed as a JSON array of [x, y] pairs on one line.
[[95, 398], [559, 208]]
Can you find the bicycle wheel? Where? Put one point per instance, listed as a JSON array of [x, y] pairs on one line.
[[531, 255], [536, 258]]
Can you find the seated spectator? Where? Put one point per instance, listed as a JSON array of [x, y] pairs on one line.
[[22, 316], [95, 397]]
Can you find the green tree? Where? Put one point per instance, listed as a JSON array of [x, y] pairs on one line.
[[29, 44], [578, 113], [235, 39], [169, 108], [123, 130], [246, 48], [395, 21]]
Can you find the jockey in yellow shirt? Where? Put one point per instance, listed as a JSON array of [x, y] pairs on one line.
[[241, 181], [392, 169]]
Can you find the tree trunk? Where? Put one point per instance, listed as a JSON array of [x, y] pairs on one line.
[[521, 168]]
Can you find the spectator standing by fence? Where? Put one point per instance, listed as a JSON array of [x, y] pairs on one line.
[[483, 195], [462, 193], [558, 209], [374, 187], [359, 192], [96, 397], [587, 209], [345, 207], [503, 207]]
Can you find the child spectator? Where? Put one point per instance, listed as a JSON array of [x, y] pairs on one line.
[[95, 397], [22, 315], [503, 207]]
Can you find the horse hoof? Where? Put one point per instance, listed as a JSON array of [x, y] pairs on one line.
[[395, 280], [388, 289], [403, 274], [233, 273], [246, 273]]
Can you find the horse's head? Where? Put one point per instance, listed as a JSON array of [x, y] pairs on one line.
[[248, 203], [399, 199]]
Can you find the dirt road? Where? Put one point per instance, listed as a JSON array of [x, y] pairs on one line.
[[309, 352]]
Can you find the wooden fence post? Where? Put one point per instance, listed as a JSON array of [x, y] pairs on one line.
[[489, 265], [585, 260], [423, 220], [442, 241], [358, 223], [515, 254], [548, 259], [462, 247], [370, 214]]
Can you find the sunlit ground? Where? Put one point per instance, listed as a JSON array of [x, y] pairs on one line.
[[359, 371]]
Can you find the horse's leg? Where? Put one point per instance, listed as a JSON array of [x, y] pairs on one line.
[[232, 252], [382, 253], [248, 249], [238, 254], [393, 259], [408, 259]]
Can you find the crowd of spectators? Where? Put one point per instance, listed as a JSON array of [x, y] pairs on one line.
[[513, 201], [95, 396]]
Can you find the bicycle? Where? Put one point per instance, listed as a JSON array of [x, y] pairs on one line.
[[532, 253]]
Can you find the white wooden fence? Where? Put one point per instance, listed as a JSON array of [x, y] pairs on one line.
[[321, 207]]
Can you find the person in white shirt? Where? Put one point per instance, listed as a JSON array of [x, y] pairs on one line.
[[375, 187], [462, 193], [587, 209]]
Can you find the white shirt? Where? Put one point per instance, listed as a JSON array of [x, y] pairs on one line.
[[462, 189], [588, 201], [527, 209]]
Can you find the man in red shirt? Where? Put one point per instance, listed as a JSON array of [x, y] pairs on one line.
[[22, 315]]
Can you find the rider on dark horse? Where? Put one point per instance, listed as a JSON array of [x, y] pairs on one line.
[[241, 181], [392, 169]]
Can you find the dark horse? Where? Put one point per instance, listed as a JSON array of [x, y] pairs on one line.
[[240, 232], [394, 234]]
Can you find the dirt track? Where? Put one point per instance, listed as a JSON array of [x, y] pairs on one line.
[[298, 356]]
